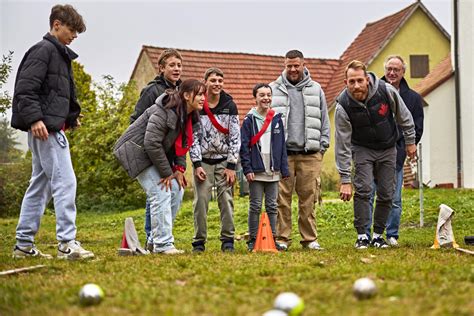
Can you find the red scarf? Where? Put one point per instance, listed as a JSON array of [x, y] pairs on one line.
[[213, 119], [266, 123], [188, 130]]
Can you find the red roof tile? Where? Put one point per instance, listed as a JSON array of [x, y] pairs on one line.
[[242, 71], [442, 72], [367, 45]]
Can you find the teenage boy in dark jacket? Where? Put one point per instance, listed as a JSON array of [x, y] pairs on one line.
[[264, 159], [170, 66], [45, 105]]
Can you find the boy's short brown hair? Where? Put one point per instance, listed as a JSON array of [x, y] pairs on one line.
[[66, 14], [213, 70], [167, 53]]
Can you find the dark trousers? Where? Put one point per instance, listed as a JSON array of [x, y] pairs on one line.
[[370, 165]]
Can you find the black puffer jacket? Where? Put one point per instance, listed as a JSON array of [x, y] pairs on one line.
[[148, 96], [151, 140], [44, 87]]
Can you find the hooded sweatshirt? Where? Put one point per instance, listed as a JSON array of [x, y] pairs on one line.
[[296, 114], [343, 147]]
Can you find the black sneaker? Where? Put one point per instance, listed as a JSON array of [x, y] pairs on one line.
[[379, 242], [227, 246], [362, 243], [198, 246]]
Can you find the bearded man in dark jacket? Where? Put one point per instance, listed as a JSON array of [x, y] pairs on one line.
[[395, 68]]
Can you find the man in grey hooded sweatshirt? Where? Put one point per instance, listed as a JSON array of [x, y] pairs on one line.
[[367, 114], [302, 103]]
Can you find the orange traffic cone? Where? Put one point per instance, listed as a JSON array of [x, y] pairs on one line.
[[264, 240]]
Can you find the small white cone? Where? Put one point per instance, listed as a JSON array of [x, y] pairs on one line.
[[444, 231]]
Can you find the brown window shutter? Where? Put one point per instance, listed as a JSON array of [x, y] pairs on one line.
[[419, 66]]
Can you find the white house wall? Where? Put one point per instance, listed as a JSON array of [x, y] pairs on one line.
[[439, 136], [466, 73]]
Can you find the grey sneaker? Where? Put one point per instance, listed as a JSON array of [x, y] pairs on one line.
[[72, 250], [392, 242], [29, 252], [314, 245]]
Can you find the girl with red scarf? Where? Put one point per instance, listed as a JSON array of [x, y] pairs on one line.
[[153, 150]]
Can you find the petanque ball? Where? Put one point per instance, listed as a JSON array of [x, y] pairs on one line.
[[364, 288], [90, 294], [290, 303]]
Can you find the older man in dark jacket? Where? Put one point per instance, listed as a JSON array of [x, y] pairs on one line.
[[45, 104]]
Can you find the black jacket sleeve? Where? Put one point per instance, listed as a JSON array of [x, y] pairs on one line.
[[418, 117]]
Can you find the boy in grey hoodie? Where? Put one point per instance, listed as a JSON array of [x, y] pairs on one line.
[[367, 114]]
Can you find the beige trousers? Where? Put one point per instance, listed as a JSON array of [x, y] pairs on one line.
[[305, 171]]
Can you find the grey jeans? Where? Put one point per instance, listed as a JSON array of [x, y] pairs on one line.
[[257, 190], [225, 201], [370, 165], [52, 176]]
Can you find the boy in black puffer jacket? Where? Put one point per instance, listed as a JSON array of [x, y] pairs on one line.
[[45, 105]]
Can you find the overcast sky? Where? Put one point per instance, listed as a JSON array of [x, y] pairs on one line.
[[116, 30]]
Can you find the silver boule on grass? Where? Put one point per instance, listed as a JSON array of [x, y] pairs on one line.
[[364, 288], [91, 294], [290, 303]]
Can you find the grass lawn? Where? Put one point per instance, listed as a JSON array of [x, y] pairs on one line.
[[411, 280]]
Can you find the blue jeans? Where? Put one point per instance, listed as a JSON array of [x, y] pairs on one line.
[[259, 189], [52, 176], [164, 206], [393, 220], [147, 220]]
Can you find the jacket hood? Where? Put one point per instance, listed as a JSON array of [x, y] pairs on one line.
[[301, 84], [63, 49]]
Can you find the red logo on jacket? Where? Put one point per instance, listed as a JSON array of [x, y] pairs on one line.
[[383, 109]]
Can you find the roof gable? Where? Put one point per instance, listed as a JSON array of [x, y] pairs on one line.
[[372, 40]]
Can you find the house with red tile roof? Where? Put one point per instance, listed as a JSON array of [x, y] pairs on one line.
[[412, 33]]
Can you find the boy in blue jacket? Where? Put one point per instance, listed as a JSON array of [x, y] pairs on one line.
[[264, 158]]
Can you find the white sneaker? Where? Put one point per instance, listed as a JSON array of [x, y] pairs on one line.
[[29, 252], [314, 245], [72, 250], [392, 242], [172, 251]]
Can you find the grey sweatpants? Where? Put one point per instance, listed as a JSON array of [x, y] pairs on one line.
[[52, 176], [370, 165]]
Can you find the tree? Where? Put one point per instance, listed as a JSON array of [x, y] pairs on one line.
[[102, 183], [5, 69]]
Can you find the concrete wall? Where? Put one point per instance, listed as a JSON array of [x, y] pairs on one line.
[[144, 71], [439, 137]]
